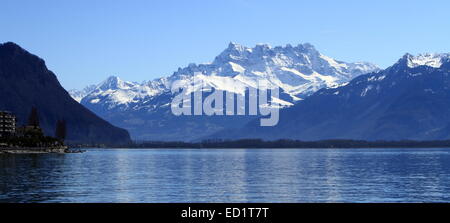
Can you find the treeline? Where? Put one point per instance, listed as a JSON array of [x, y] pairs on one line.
[[285, 143], [29, 141], [31, 135]]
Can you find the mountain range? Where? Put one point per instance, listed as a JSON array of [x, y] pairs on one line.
[[409, 100], [25, 82], [144, 108], [321, 98]]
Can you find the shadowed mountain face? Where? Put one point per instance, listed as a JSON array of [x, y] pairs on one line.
[[410, 100], [25, 82]]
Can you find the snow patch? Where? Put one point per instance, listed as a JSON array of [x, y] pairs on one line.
[[367, 89], [375, 78], [237, 68], [432, 60], [334, 63]]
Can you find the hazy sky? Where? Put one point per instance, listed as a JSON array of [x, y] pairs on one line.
[[85, 41]]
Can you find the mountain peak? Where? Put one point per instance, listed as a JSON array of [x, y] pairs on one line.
[[434, 60], [234, 45], [12, 54], [9, 44], [113, 78], [308, 47], [235, 48], [14, 51], [112, 82]]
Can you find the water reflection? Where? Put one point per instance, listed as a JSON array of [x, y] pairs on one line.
[[237, 175]]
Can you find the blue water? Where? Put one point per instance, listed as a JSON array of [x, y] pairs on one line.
[[232, 175]]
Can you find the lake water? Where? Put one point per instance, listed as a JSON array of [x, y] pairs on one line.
[[231, 175]]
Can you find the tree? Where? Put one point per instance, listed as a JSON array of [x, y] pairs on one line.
[[33, 118], [61, 130]]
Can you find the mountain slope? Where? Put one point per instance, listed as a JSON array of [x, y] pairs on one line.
[[409, 100], [143, 108], [25, 81]]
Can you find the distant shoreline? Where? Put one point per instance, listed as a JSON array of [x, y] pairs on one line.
[[37, 150], [278, 144]]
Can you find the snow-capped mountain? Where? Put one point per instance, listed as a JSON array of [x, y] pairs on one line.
[[409, 100], [117, 93], [298, 71], [80, 94]]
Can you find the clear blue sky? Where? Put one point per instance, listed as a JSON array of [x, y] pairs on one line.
[[84, 41]]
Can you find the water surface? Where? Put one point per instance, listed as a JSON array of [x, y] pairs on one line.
[[228, 175]]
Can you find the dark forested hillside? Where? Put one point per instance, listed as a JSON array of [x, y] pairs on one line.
[[25, 82]]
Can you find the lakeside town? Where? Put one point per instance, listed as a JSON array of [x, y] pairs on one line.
[[29, 138]]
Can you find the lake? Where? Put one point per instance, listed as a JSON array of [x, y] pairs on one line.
[[228, 175]]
